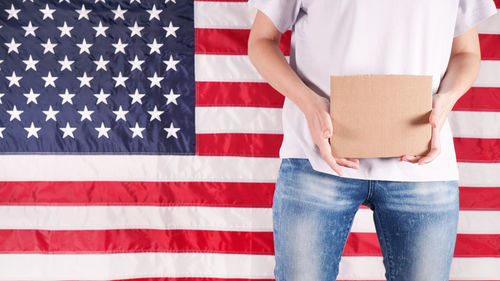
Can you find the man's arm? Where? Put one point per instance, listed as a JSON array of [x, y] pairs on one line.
[[462, 71], [463, 66], [266, 56]]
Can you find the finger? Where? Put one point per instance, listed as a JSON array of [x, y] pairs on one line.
[[326, 154], [326, 125], [435, 148], [411, 158], [347, 163], [433, 119], [356, 160]]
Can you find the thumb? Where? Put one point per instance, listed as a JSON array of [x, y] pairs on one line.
[[433, 119], [326, 125]]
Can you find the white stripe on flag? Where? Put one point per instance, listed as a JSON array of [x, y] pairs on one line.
[[137, 265], [491, 25], [475, 124], [133, 265], [489, 74], [226, 68], [138, 168], [241, 15], [238, 119], [233, 68], [220, 14], [182, 217], [479, 174], [173, 168]]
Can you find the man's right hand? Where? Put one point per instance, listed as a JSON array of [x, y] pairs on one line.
[[317, 113]]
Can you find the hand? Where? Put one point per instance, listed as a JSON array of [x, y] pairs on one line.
[[319, 121], [441, 106]]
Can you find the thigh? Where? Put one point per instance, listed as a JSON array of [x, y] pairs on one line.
[[416, 223], [312, 217]]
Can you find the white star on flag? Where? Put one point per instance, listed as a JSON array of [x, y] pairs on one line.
[[13, 46], [171, 97], [30, 29], [65, 30], [120, 114], [83, 13], [171, 63], [170, 29], [137, 131], [68, 131], [12, 12], [48, 47], [136, 63], [13, 79], [119, 47], [50, 114], [66, 64], [100, 30], [155, 114], [47, 12], [172, 131], [136, 97], [119, 13], [135, 30], [85, 113], [103, 131], [84, 47], [155, 80], [31, 97], [67, 97], [154, 13], [15, 114], [30, 63], [101, 97], [85, 80], [32, 130], [49, 80], [101, 64]]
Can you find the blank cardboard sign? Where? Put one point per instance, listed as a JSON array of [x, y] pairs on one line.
[[380, 115]]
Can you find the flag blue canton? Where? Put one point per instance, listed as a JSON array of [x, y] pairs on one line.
[[97, 76]]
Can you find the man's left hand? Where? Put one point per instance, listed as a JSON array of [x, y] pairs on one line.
[[441, 106]]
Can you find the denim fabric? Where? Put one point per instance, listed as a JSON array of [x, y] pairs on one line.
[[416, 223]]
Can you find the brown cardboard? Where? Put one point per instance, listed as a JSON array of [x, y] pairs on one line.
[[380, 115]]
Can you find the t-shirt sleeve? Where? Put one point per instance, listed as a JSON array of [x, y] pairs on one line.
[[283, 13], [471, 13]]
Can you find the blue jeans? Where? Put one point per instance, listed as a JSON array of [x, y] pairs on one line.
[[416, 223]]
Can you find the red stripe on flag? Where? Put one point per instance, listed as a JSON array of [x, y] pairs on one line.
[[467, 245], [475, 198], [251, 145], [477, 150], [203, 278], [479, 99], [489, 46], [249, 94], [222, 194], [134, 240], [206, 241], [231, 41], [221, 0], [479, 198], [230, 194]]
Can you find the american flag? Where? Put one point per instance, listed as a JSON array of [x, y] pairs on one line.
[[138, 142]]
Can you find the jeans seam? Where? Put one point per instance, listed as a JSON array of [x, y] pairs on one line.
[[387, 246], [369, 195]]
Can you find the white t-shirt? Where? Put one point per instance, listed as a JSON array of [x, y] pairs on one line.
[[351, 37]]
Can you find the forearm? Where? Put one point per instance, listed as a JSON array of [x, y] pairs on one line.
[[463, 69], [270, 62]]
